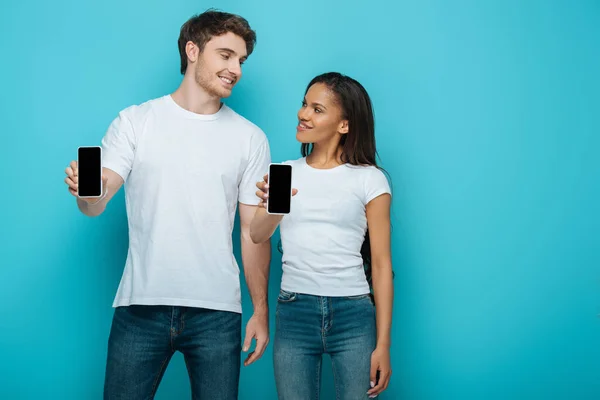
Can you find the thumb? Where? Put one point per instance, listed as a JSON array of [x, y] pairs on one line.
[[373, 374], [248, 340], [104, 184]]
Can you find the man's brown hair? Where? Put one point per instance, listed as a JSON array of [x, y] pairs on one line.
[[201, 28]]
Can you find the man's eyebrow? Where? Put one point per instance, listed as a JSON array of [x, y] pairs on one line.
[[226, 49], [231, 51]]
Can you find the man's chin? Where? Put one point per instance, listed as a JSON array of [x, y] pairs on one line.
[[220, 92], [225, 93]]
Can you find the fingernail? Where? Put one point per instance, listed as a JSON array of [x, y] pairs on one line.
[[246, 348], [372, 384], [266, 186]]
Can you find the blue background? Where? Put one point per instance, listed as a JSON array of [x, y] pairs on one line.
[[487, 119]]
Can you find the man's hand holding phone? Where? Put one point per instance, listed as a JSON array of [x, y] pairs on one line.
[[72, 181]]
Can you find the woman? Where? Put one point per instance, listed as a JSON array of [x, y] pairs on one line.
[[335, 239]]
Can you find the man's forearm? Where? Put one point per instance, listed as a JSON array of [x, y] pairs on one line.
[[256, 259]]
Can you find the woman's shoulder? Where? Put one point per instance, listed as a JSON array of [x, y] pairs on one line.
[[295, 162], [365, 169]]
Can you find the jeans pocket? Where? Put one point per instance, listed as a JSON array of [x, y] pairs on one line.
[[359, 296], [362, 297], [286, 297]]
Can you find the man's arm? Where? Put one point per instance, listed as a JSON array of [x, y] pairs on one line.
[[256, 259]]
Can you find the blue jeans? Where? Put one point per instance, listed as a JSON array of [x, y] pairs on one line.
[[308, 327], [144, 338]]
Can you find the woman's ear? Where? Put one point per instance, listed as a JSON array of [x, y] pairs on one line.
[[343, 128]]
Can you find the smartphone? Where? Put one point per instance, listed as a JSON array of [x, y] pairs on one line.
[[89, 166], [280, 189]]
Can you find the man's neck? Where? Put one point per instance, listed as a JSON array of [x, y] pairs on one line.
[[190, 96]]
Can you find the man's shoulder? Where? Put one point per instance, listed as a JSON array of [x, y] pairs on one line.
[[138, 112], [245, 126]]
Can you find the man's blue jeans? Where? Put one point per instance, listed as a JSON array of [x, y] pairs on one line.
[[144, 338]]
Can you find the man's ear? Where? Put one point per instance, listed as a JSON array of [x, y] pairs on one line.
[[192, 51]]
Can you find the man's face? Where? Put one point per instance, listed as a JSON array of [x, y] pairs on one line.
[[219, 66]]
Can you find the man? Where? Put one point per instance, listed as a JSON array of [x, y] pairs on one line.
[[186, 159]]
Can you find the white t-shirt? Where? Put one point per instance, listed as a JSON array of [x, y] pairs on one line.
[[184, 173], [325, 229]]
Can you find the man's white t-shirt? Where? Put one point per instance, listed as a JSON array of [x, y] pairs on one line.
[[184, 174], [325, 229]]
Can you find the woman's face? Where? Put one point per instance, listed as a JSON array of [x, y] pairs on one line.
[[320, 117]]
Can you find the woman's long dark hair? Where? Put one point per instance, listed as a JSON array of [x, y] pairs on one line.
[[358, 145]]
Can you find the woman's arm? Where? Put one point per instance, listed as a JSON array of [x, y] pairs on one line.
[[264, 224], [378, 220]]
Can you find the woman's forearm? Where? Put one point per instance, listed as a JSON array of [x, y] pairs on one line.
[[263, 225], [383, 291]]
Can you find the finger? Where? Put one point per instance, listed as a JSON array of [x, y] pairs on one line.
[[247, 360], [294, 192], [385, 383], [74, 167], [381, 385], [72, 185], [69, 171], [262, 195], [257, 353], [261, 345], [387, 379], [266, 178], [73, 192]]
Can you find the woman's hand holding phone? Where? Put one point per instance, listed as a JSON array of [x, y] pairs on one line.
[[263, 191]]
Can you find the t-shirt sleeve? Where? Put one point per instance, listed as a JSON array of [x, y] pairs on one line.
[[257, 167], [118, 146], [376, 184]]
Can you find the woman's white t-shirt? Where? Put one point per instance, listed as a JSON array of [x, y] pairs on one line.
[[325, 229]]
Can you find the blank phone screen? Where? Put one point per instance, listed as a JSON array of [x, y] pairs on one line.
[[89, 167], [280, 189]]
